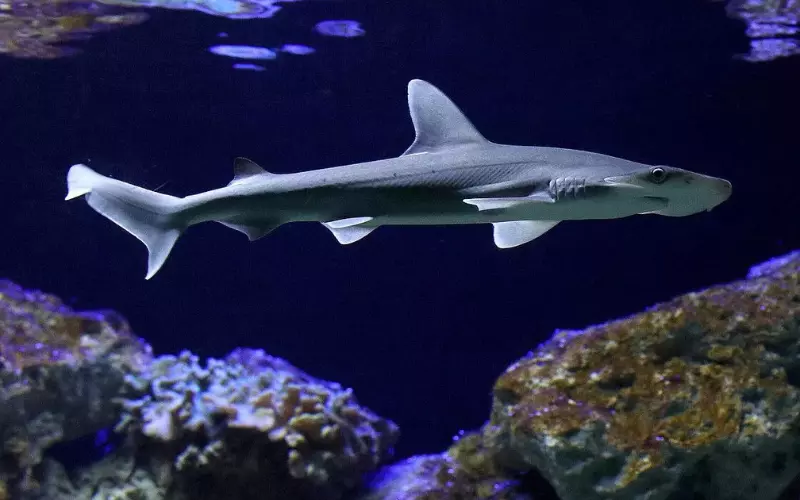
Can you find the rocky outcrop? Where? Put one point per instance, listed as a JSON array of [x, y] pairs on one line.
[[60, 370], [473, 468], [700, 394]]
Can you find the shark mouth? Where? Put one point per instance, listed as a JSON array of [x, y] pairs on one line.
[[660, 199], [663, 202]]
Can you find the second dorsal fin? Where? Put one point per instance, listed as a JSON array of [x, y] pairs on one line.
[[244, 168]]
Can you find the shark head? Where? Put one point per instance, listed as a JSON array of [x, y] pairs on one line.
[[683, 192]]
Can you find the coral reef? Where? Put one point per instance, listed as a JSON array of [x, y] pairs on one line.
[[699, 394], [248, 426], [470, 469], [772, 26], [280, 432], [36, 29], [59, 370]]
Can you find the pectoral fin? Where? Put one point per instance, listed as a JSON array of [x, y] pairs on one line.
[[514, 233]]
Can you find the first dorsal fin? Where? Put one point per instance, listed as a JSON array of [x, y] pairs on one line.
[[244, 168], [438, 122]]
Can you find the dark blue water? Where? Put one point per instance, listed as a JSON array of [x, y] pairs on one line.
[[418, 320]]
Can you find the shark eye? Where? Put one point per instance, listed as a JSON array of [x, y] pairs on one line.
[[658, 175]]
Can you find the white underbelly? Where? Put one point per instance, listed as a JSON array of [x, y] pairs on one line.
[[561, 210]]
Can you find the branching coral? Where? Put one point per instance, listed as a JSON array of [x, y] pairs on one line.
[[258, 408]]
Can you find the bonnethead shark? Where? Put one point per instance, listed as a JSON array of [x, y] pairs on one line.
[[449, 175]]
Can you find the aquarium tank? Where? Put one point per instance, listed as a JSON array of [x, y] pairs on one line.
[[399, 250]]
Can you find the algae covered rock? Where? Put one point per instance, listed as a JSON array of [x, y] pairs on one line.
[[38, 29], [470, 469], [695, 395], [59, 371], [254, 426]]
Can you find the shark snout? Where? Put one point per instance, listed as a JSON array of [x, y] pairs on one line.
[[720, 191], [694, 194], [723, 188]]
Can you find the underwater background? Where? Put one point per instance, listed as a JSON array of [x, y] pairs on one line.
[[419, 321]]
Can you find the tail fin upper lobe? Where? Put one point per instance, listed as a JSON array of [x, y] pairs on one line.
[[148, 215]]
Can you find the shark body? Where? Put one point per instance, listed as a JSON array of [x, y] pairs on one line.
[[450, 175]]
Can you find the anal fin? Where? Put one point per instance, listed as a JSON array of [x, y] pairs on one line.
[[514, 233], [349, 230], [349, 222], [252, 231]]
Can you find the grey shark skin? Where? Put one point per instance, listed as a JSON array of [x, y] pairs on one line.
[[450, 175]]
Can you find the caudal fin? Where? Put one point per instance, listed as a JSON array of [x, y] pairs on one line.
[[148, 215]]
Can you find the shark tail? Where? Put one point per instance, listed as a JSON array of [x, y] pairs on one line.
[[151, 217]]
